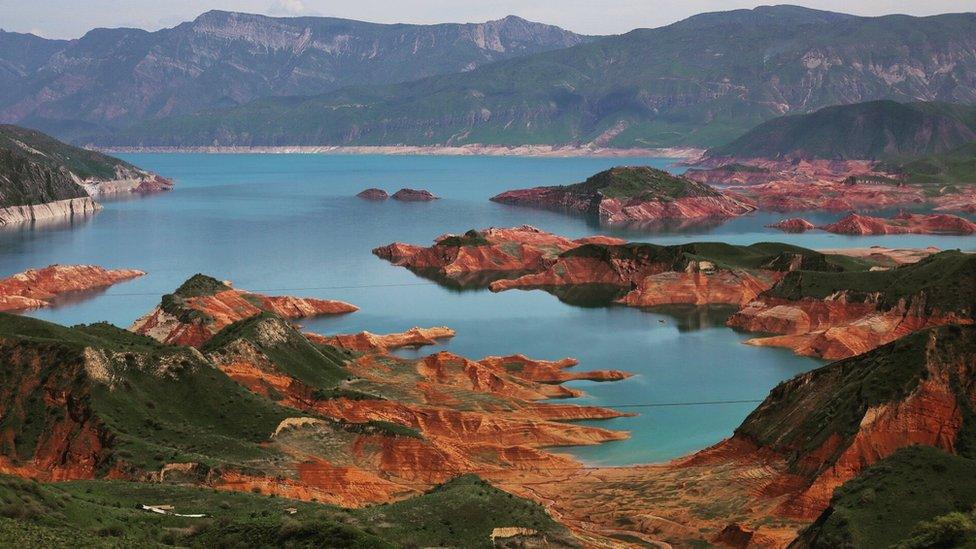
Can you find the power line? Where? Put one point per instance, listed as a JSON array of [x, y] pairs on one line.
[[260, 290]]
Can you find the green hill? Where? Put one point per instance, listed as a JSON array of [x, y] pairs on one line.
[[919, 497], [862, 131], [460, 513], [828, 404], [701, 81], [957, 166], [943, 281], [640, 182]]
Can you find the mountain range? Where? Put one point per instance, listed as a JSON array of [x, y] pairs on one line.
[[115, 77], [701, 82]]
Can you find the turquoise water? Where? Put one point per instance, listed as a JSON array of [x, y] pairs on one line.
[[290, 224]]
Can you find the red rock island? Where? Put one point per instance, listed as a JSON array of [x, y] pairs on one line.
[[35, 288], [633, 194]]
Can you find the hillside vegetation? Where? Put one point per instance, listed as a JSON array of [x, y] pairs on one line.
[[863, 131], [460, 513], [702, 81]]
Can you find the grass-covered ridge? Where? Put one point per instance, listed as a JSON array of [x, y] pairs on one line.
[[56, 155], [957, 166], [874, 130], [801, 414], [946, 281], [152, 404], [762, 255], [919, 497], [640, 182], [318, 366], [460, 513], [472, 238]]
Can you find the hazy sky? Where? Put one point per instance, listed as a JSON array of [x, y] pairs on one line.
[[72, 18]]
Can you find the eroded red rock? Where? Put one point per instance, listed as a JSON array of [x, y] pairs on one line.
[[793, 225], [903, 223], [36, 288]]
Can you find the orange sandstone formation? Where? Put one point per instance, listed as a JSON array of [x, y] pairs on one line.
[[903, 223], [793, 225], [835, 316], [493, 250], [366, 341], [36, 288], [203, 306]]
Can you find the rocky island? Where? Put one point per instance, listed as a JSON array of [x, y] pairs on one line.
[[36, 288], [414, 195], [632, 194], [42, 178]]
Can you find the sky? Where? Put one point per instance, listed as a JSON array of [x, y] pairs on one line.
[[72, 18]]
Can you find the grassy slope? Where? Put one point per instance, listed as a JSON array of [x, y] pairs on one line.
[[192, 412], [460, 513], [871, 130], [889, 503], [953, 167], [800, 414], [321, 367], [641, 182], [56, 154], [946, 279], [768, 255]]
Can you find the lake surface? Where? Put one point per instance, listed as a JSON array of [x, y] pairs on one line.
[[289, 224]]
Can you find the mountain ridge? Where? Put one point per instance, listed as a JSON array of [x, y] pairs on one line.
[[711, 78]]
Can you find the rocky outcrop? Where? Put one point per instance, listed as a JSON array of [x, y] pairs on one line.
[[840, 315], [36, 288], [366, 341], [623, 195], [373, 194], [793, 225], [793, 185], [414, 195], [649, 275], [833, 422], [496, 251], [203, 306], [903, 223]]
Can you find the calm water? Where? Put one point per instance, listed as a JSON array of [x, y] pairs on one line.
[[290, 224]]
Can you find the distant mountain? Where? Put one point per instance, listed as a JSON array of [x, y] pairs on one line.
[[702, 81], [222, 59], [865, 131]]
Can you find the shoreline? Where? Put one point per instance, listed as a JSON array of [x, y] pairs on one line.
[[539, 151]]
